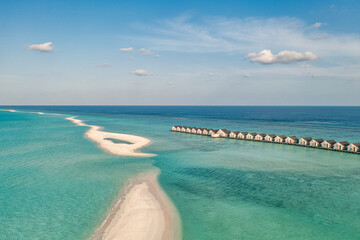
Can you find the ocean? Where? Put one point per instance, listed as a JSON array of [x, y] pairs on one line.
[[56, 184]]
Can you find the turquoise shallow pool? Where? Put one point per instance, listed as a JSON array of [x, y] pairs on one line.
[[55, 184]]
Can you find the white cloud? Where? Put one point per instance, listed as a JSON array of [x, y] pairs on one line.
[[220, 34], [211, 74], [44, 47], [266, 57], [129, 49], [246, 75], [104, 65], [141, 72], [316, 25], [144, 51]]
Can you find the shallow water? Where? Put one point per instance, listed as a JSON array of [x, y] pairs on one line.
[[55, 184]]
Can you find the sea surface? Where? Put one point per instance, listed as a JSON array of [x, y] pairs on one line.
[[56, 184]]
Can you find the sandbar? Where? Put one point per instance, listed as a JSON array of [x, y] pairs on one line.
[[96, 134], [143, 212]]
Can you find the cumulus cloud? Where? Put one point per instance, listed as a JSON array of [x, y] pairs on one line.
[[104, 65], [43, 47], [129, 49], [266, 57], [142, 72]]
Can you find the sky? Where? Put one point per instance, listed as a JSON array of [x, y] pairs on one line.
[[227, 52]]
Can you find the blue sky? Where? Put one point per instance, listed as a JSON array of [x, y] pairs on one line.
[[180, 52]]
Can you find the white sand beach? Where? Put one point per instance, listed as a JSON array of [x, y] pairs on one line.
[[122, 149], [143, 212]]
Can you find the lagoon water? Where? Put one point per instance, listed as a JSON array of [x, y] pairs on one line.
[[55, 184]]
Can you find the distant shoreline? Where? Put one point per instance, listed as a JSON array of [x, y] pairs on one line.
[[142, 211]]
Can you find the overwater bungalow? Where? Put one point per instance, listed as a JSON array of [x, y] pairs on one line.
[[270, 137], [260, 137], [199, 131], [342, 146], [223, 133], [234, 134], [188, 129], [354, 147], [305, 141], [194, 130], [280, 139], [328, 144], [178, 128], [183, 129], [205, 131], [250, 136], [316, 142], [213, 131], [291, 140], [242, 135], [173, 128]]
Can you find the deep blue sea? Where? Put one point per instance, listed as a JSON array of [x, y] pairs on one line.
[[56, 184]]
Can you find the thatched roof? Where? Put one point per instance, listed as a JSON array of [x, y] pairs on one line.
[[281, 136], [330, 141], [271, 135], [319, 140], [356, 144]]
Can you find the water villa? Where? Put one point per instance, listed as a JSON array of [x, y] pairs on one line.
[[250, 136], [316, 142], [291, 140], [242, 135], [343, 146], [234, 134], [354, 147], [305, 141], [260, 137], [270, 137], [328, 144], [280, 139]]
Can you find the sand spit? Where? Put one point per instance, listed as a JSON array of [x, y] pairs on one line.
[[143, 212], [6, 109], [122, 149]]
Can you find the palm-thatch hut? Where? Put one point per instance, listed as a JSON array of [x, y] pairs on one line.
[[305, 141], [280, 139], [183, 129], [260, 137], [354, 147], [342, 146], [316, 142], [174, 128], [291, 140], [188, 129], [178, 128]]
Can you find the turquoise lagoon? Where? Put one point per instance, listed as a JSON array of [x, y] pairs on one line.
[[55, 184]]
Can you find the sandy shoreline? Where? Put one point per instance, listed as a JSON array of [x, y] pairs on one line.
[[143, 212], [96, 134]]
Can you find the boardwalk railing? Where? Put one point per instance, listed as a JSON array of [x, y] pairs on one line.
[[319, 143]]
